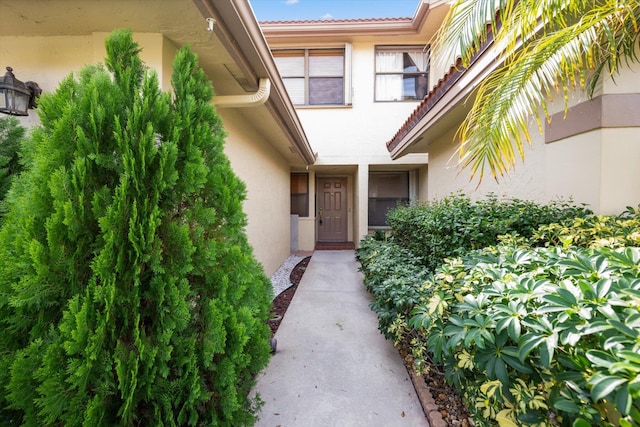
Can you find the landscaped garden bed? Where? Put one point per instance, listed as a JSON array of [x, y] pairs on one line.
[[283, 299], [531, 311]]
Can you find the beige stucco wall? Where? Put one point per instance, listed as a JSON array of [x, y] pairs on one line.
[[47, 60], [621, 150], [423, 184], [157, 53], [307, 233], [572, 168], [598, 168], [621, 170], [445, 176], [266, 175], [361, 205]]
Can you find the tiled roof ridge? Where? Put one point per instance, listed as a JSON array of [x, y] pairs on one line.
[[337, 21]]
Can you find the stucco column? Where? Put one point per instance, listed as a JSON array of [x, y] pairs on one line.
[[362, 203]]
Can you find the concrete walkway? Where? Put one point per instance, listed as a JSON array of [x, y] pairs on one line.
[[332, 366]]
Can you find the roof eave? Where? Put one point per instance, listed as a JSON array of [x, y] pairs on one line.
[[239, 32]]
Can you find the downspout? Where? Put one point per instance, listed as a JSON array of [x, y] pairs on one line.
[[250, 100]]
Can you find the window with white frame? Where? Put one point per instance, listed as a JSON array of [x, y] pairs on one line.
[[402, 73], [315, 76], [387, 190]]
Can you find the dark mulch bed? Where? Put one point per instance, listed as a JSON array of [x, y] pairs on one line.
[[281, 302], [449, 404]]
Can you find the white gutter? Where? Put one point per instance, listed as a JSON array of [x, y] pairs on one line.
[[250, 100]]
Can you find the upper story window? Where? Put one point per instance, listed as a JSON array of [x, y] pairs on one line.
[[401, 73], [314, 76]]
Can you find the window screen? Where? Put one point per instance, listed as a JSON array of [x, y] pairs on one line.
[[313, 76], [300, 194], [387, 190], [401, 73]]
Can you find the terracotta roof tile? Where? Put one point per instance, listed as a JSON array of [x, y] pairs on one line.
[[336, 21]]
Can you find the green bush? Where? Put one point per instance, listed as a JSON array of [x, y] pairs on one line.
[[11, 134], [129, 294], [395, 279], [592, 231], [454, 225], [539, 336]]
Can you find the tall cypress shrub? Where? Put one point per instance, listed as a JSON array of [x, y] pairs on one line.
[[129, 294], [11, 134]]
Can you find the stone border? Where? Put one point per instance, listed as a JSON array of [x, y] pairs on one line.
[[434, 417]]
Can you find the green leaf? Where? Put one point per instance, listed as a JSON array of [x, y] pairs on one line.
[[602, 288], [435, 343], [501, 372], [528, 343], [581, 422], [548, 349], [568, 406], [567, 296], [504, 420], [624, 367], [557, 300], [630, 356], [616, 342], [514, 329], [621, 327], [596, 326], [532, 417], [570, 337], [603, 385], [623, 401], [546, 353], [514, 362], [600, 358]]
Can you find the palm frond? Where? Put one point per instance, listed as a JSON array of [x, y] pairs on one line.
[[570, 48], [466, 27]]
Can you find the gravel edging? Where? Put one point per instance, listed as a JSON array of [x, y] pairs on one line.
[[280, 279]]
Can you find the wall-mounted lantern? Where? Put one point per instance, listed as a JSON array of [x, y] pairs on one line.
[[17, 97]]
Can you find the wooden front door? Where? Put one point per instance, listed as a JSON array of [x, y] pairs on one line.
[[332, 209]]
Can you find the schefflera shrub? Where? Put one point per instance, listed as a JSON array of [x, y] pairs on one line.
[[395, 279], [454, 225], [129, 294], [591, 231], [541, 336]]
